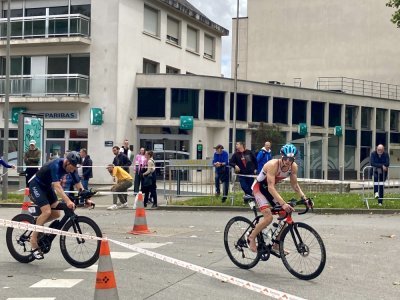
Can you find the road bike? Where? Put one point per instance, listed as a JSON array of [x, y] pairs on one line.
[[301, 249], [77, 251]]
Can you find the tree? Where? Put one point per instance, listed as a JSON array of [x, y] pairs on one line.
[[396, 15], [267, 132]]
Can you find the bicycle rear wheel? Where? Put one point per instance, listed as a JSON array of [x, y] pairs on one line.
[[307, 255], [235, 240], [81, 252], [18, 240]]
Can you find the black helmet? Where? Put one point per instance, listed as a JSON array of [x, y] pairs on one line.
[[74, 158]]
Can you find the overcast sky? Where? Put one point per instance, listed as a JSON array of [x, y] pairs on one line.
[[222, 12]]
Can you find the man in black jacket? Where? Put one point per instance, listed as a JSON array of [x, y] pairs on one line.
[[380, 162], [87, 172], [121, 159], [245, 163]]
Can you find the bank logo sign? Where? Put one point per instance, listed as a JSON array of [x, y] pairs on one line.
[[61, 115]]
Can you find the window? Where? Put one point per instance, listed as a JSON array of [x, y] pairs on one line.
[[260, 109], [280, 109], [151, 103], [150, 67], [394, 120], [184, 102], [79, 64], [335, 115], [241, 107], [151, 21], [20, 65], [173, 31], [192, 39], [172, 70], [299, 114], [208, 46], [350, 116], [317, 114], [57, 64], [214, 107], [380, 119], [365, 118]]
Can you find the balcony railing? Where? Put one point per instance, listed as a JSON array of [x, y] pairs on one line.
[[359, 87], [46, 26], [47, 85]]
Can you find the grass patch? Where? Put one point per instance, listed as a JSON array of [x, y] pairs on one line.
[[321, 200], [13, 198]]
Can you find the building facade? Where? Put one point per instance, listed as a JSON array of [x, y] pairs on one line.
[[68, 56], [296, 42]]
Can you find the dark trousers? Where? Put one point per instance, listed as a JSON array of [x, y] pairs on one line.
[[224, 178], [147, 190], [136, 185], [245, 183], [29, 172], [379, 184]]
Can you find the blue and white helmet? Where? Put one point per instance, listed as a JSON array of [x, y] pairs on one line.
[[289, 150]]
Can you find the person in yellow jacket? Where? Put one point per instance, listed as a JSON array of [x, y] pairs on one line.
[[123, 181]]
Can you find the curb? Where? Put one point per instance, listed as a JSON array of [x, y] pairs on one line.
[[320, 211]]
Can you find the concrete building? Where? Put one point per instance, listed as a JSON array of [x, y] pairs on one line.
[[296, 42], [68, 56]]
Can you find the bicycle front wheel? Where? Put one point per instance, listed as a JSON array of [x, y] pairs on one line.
[[81, 252], [305, 251], [18, 240], [235, 240]]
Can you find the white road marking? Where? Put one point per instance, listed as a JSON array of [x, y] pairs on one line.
[[149, 245], [56, 283], [92, 269], [122, 255], [53, 298]]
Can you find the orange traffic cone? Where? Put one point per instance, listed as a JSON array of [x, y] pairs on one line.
[[26, 203], [106, 287], [140, 224]]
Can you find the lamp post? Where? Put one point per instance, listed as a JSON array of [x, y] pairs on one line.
[[6, 104], [235, 78]]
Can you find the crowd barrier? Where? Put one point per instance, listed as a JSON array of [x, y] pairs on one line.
[[391, 187]]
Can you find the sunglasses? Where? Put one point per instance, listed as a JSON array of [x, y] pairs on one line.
[[291, 159]]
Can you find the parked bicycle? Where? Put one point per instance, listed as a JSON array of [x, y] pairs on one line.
[[79, 252], [301, 249]]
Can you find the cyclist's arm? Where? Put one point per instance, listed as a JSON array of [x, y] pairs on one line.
[[294, 183], [60, 191]]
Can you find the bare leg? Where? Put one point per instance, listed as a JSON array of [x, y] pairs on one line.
[[46, 216], [264, 222]]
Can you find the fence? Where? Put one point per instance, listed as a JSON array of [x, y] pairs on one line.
[[391, 187]]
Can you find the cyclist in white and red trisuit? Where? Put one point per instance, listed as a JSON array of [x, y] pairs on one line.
[[266, 194]]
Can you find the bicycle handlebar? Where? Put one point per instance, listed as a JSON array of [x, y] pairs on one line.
[[82, 196], [293, 202]]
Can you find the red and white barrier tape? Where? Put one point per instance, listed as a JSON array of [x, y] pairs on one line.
[[217, 275], [198, 269], [38, 228]]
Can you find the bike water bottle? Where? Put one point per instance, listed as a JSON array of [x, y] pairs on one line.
[[267, 234]]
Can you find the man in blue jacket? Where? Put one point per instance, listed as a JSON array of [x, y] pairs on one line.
[[263, 156], [221, 164], [380, 161]]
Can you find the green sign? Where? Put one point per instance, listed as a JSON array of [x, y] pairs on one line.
[[15, 112], [338, 131], [302, 129], [186, 123], [199, 147], [96, 116]]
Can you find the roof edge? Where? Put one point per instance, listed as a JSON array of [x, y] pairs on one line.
[[199, 17]]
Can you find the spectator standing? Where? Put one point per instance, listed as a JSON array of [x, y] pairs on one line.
[[244, 163], [123, 181], [149, 180], [221, 164], [264, 155], [126, 149], [66, 181], [140, 162], [380, 162], [31, 160], [85, 171], [120, 159]]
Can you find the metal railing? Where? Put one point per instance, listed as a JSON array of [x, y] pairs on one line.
[[46, 26], [391, 187], [359, 87], [47, 85]]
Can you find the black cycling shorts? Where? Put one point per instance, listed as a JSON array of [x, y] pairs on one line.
[[41, 196]]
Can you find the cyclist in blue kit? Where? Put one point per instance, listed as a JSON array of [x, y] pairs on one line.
[[44, 186]]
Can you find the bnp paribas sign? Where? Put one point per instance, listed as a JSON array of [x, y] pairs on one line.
[[63, 115]]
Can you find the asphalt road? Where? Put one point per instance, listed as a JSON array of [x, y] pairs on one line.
[[362, 260]]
